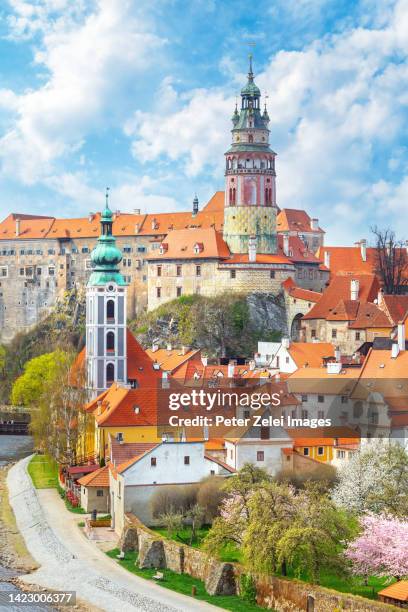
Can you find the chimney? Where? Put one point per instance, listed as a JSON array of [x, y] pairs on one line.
[[252, 365], [354, 289], [401, 336], [155, 347], [137, 227], [17, 226], [394, 350], [363, 249], [286, 244], [136, 211], [91, 217], [169, 347], [333, 367], [195, 205], [204, 361], [406, 246], [314, 224], [337, 354], [327, 259], [231, 370], [252, 249], [380, 297], [184, 350]]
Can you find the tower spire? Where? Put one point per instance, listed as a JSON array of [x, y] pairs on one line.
[[250, 71]]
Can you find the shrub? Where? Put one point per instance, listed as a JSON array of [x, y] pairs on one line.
[[248, 588], [210, 496], [173, 498]]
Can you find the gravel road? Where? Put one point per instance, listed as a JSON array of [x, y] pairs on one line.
[[69, 561]]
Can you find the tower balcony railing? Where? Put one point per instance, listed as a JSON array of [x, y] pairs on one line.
[[250, 171]]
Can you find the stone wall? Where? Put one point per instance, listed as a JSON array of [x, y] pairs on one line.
[[292, 595], [280, 594]]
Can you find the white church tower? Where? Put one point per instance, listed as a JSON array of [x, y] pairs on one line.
[[106, 351]]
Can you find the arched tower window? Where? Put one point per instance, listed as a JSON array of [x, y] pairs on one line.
[[110, 373], [110, 342], [250, 138], [233, 196], [110, 310]]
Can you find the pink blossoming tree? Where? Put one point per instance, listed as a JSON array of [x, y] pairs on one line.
[[382, 547]]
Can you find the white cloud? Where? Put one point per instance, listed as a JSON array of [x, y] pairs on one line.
[[333, 105], [89, 57]]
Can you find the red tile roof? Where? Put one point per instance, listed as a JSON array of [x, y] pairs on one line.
[[180, 244], [310, 354], [294, 220], [170, 360], [298, 252], [335, 303], [121, 452], [300, 293], [124, 407], [396, 306], [98, 478]]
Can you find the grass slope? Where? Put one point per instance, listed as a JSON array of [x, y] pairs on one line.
[[183, 583]]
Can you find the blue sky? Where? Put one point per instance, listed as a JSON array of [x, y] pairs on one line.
[[138, 96]]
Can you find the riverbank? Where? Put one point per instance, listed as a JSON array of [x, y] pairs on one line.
[[13, 551], [69, 560]]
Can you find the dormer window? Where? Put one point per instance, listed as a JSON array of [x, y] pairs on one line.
[[155, 224], [198, 248], [163, 248]]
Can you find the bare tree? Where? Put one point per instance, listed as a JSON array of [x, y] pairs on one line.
[[391, 263]]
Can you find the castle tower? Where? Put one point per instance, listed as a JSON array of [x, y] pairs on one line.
[[106, 353], [250, 179]]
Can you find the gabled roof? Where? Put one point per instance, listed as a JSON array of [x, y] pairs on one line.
[[349, 260], [294, 220], [171, 359], [298, 251], [122, 452], [310, 354], [368, 316], [335, 303], [180, 244], [98, 478], [396, 306], [139, 365], [120, 406]]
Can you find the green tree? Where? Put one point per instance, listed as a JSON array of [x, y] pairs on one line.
[[58, 394], [272, 508], [230, 526], [28, 387]]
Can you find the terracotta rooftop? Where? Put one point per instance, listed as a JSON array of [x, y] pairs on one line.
[[121, 452], [98, 478], [335, 302], [398, 591], [192, 244], [294, 220], [171, 359], [299, 293], [396, 306], [310, 354]]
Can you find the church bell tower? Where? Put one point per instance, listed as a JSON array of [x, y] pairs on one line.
[[250, 178], [106, 353]]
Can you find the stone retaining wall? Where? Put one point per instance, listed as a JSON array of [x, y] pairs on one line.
[[280, 594]]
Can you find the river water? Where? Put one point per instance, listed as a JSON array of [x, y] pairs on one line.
[[13, 448]]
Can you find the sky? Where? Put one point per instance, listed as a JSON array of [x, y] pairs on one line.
[[138, 96]]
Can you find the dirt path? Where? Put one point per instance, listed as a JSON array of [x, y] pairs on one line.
[[68, 560]]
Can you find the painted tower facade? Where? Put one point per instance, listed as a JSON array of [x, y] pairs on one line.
[[250, 178], [106, 351]]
